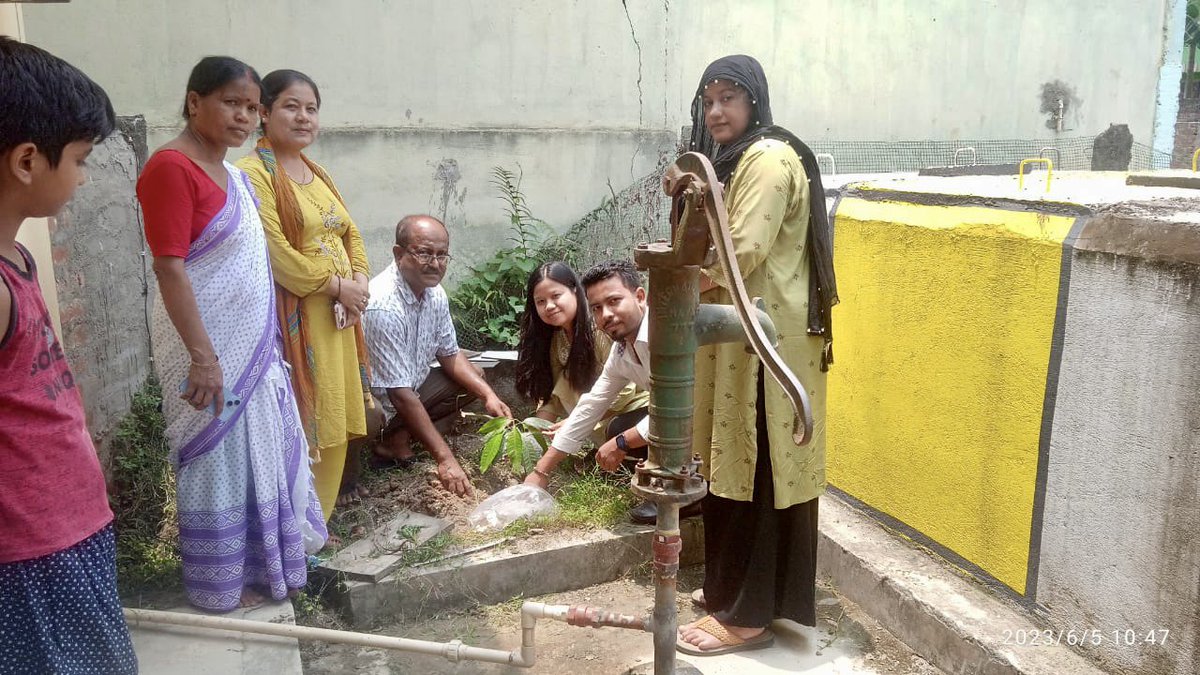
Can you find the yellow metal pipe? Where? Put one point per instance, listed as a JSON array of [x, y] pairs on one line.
[[1034, 160]]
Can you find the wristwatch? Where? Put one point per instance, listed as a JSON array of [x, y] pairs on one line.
[[620, 439]]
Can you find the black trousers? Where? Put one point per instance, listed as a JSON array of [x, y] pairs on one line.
[[760, 563], [441, 396]]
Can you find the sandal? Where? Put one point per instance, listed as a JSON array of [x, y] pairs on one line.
[[730, 643]]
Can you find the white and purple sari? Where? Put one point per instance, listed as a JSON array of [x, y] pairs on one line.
[[248, 512]]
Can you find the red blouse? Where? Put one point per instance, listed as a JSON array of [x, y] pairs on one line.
[[178, 200]]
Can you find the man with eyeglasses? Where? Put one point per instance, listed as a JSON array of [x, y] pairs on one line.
[[407, 325]]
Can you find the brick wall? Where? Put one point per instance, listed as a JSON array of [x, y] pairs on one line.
[[102, 280]]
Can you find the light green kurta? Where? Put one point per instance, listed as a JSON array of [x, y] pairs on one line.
[[768, 202]]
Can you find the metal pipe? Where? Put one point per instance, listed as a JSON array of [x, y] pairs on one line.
[[1034, 160], [454, 650], [974, 156], [832, 163], [720, 323], [584, 616], [667, 544]]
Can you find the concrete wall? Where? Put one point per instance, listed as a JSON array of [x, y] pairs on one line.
[[1119, 545], [1187, 133], [1016, 388], [584, 94], [102, 280]]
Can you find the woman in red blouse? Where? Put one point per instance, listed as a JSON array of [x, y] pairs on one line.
[[247, 510]]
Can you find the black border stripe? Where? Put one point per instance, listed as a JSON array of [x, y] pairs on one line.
[[941, 199], [1048, 405]]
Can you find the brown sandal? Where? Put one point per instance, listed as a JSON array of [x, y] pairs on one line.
[[730, 643]]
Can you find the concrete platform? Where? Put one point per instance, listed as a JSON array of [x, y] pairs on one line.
[[184, 650], [951, 621], [528, 568]]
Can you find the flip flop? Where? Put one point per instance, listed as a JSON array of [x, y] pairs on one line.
[[381, 463], [698, 598], [730, 643]]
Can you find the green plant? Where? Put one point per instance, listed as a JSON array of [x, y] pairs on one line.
[[488, 303], [520, 441], [144, 498]]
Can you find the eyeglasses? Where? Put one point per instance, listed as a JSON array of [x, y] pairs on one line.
[[426, 258]]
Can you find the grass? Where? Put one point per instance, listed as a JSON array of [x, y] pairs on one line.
[[144, 499], [438, 546], [595, 500]]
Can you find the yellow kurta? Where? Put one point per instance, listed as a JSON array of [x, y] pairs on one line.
[[563, 398], [331, 244], [768, 202]]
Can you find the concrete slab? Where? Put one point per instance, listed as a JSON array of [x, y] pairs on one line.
[[954, 623], [1087, 189], [375, 556], [1167, 178], [527, 569], [180, 650]]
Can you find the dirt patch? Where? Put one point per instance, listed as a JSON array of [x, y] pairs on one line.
[[845, 640], [418, 489]]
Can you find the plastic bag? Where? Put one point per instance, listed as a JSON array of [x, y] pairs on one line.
[[509, 505]]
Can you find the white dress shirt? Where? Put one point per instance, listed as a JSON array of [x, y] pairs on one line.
[[624, 365], [405, 333]]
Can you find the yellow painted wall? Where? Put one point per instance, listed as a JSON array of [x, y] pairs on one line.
[[943, 340]]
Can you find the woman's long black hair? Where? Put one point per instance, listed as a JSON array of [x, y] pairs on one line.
[[535, 380]]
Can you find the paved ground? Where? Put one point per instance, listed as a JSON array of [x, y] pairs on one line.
[[181, 650], [845, 641]]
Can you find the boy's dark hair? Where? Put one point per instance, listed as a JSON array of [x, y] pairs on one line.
[[214, 72], [48, 102], [613, 268]]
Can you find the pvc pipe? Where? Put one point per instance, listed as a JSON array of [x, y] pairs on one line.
[[454, 651]]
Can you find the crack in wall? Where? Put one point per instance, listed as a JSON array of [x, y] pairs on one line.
[[641, 122], [666, 56], [633, 34]]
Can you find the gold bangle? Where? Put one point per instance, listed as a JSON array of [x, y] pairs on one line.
[[541, 473], [216, 362]]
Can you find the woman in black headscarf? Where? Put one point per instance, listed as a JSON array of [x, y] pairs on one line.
[[760, 516]]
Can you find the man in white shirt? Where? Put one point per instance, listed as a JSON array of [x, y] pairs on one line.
[[618, 304], [407, 325]]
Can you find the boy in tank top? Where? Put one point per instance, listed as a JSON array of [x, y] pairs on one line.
[[59, 610]]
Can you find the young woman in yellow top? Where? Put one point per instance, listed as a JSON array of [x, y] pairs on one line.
[[760, 516], [561, 352], [321, 275]]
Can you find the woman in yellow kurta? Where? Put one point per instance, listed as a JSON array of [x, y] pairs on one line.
[[321, 275], [760, 517]]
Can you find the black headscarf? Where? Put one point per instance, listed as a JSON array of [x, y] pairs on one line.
[[747, 73]]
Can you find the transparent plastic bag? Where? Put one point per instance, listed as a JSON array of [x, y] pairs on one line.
[[509, 505]]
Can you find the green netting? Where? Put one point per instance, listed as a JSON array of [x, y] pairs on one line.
[[640, 212]]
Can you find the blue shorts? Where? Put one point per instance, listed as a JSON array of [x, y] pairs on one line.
[[60, 614]]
